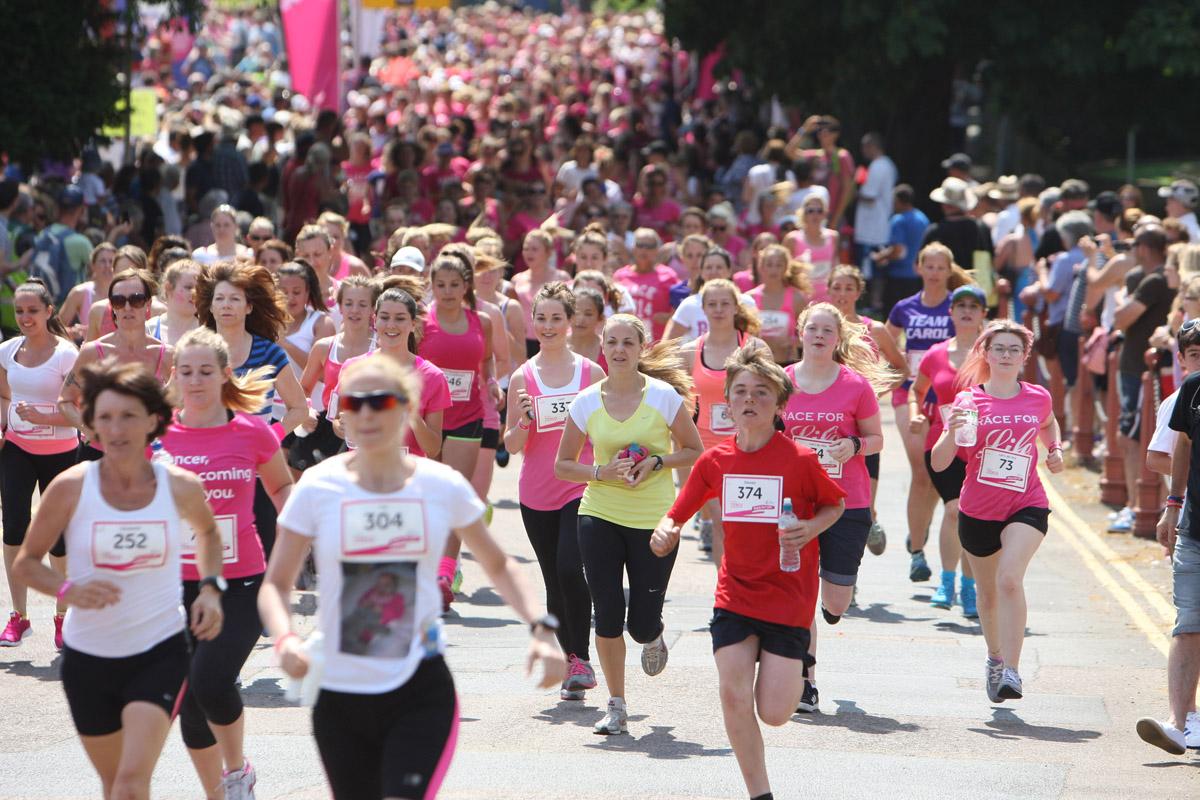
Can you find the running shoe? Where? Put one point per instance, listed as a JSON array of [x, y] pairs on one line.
[[654, 656], [993, 675], [1191, 731], [943, 597], [580, 675], [239, 783], [1162, 735], [58, 623], [571, 695], [443, 583], [1010, 685], [877, 539], [1123, 522], [918, 568], [706, 536], [616, 719], [488, 513], [809, 701], [18, 628], [502, 457], [456, 584], [966, 596]]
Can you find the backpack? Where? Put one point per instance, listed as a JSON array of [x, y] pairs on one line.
[[51, 264]]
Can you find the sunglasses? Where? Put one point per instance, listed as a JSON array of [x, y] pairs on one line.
[[1187, 326], [378, 401], [134, 300], [814, 211]]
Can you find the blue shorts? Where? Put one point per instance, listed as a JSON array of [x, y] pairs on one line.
[[1130, 390]]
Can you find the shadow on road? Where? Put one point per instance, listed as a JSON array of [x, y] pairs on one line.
[[305, 604], [970, 629], [878, 612], [264, 693], [659, 743], [856, 720], [1005, 724], [26, 669], [1162, 764]]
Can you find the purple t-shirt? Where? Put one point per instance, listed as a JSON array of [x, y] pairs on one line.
[[923, 327]]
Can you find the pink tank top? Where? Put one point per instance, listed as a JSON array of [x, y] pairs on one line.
[[777, 324], [821, 258], [537, 487], [333, 369], [343, 267], [714, 422], [458, 356]]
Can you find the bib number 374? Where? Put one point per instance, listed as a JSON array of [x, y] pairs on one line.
[[751, 498]]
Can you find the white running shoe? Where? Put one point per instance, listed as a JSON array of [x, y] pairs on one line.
[[654, 656], [1162, 735], [239, 784], [1191, 731], [616, 719]]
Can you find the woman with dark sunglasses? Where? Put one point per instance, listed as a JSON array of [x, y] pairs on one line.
[[129, 297]]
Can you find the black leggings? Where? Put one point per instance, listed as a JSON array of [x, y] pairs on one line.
[[395, 744], [608, 549], [20, 470], [212, 694], [264, 518], [555, 539]]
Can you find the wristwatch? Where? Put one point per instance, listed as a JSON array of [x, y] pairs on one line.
[[658, 464], [215, 581], [547, 621]]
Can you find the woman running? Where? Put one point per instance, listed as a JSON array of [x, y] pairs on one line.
[[924, 320], [834, 412], [306, 307], [731, 325], [179, 281], [586, 324], [539, 396], [939, 373], [815, 244], [218, 436], [100, 320], [762, 615], [39, 442], [537, 248], [780, 298], [225, 246], [125, 519], [78, 305], [641, 403], [688, 322], [1003, 510], [376, 520]]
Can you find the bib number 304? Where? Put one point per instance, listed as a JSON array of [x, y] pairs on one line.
[[383, 530]]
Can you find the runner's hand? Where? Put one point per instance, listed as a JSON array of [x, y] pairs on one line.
[[665, 537], [544, 647], [617, 469], [958, 418], [310, 422], [917, 424], [92, 595], [1165, 530], [525, 403], [207, 616], [841, 450], [1054, 461], [798, 536], [292, 659], [497, 395], [640, 471]]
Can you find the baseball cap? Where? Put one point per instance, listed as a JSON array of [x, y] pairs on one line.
[[1182, 190], [958, 161], [70, 197], [970, 290], [409, 257], [1108, 204]]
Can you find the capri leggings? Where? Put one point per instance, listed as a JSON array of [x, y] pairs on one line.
[[212, 694], [20, 471], [608, 549], [265, 517], [395, 744], [555, 539]]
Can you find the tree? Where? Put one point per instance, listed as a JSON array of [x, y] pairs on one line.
[[63, 62]]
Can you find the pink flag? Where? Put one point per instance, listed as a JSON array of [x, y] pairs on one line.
[[311, 31]]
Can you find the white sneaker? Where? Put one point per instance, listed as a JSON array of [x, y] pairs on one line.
[[654, 656], [1191, 730], [239, 784], [616, 719], [1162, 735]]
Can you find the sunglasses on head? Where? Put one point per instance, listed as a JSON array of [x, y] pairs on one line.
[[1187, 326], [378, 401], [134, 300]]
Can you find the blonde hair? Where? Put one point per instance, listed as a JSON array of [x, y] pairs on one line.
[[660, 361], [246, 393], [1189, 260], [404, 381], [758, 361], [745, 319], [958, 276], [795, 273], [854, 348], [540, 236]]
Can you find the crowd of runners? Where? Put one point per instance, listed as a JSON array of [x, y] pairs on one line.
[[285, 346]]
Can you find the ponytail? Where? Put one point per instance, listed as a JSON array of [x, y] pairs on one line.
[[246, 393], [53, 324]]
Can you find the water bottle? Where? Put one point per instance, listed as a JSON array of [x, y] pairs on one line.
[[965, 436], [159, 454], [789, 557]]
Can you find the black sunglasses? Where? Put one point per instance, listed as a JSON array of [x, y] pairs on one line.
[[378, 401], [134, 300]]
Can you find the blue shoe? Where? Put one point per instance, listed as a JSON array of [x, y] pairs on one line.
[[1123, 522], [967, 595], [944, 596], [918, 569]]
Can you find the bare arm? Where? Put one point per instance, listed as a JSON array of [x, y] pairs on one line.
[[886, 342], [298, 413], [314, 368], [276, 479]]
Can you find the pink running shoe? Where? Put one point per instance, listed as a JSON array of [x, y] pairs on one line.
[[18, 628], [580, 675], [58, 623]]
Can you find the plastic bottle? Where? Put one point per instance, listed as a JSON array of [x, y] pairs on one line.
[[965, 436], [789, 557]]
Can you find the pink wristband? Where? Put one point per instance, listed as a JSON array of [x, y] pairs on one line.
[[62, 591]]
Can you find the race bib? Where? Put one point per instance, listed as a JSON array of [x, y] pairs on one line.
[[460, 384], [30, 430], [383, 530], [129, 546], [550, 411], [774, 324], [1004, 469], [831, 465], [752, 498], [718, 418], [227, 527]]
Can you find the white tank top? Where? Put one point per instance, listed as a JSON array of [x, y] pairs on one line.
[[304, 337], [139, 552]]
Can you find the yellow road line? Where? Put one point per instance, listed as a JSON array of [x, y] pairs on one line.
[[1139, 616], [1154, 597]]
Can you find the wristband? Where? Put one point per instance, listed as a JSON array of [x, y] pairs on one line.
[[1174, 498], [1054, 446], [283, 639], [1174, 504], [857, 442], [62, 591], [596, 473], [523, 423]]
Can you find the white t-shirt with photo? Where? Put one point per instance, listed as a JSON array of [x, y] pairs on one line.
[[691, 315]]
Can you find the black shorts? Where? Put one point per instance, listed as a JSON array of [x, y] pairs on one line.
[[785, 641], [491, 439], [949, 481], [981, 537], [98, 689], [308, 451], [842, 546], [472, 430], [872, 466]]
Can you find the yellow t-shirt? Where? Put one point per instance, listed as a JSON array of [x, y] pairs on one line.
[[641, 506]]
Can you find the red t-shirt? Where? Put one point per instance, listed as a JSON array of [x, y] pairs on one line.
[[749, 581]]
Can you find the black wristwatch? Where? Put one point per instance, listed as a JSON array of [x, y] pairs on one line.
[[215, 581], [659, 464], [857, 442], [547, 621]]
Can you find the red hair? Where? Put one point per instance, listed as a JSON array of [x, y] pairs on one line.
[[975, 369]]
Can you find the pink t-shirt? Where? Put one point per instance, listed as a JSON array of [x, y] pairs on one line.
[[435, 392], [226, 458], [1002, 473], [942, 375], [744, 280], [660, 217], [537, 486], [813, 419], [651, 293]]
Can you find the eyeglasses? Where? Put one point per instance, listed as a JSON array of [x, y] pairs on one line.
[[378, 401], [134, 300], [1001, 351]]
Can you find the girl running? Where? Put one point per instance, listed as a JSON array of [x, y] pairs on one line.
[[225, 246], [306, 307], [689, 323], [586, 324], [100, 319], [78, 305], [1003, 509], [386, 718], [641, 402], [179, 283], [780, 298], [537, 248], [815, 244]]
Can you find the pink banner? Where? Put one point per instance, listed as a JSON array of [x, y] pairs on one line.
[[311, 30]]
